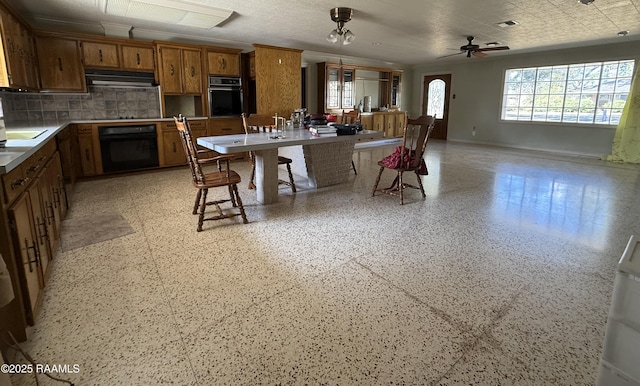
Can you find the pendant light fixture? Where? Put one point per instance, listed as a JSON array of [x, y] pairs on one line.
[[341, 15]]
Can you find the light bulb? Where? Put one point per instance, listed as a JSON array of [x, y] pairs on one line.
[[348, 37], [333, 36]]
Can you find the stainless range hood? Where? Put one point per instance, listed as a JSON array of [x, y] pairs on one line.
[[116, 78]]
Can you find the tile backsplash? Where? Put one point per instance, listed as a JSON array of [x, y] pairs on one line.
[[99, 103]]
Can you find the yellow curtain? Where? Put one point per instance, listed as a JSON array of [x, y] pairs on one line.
[[626, 141]]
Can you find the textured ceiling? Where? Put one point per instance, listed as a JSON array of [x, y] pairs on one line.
[[392, 31]]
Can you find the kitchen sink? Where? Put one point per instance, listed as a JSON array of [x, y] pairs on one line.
[[24, 134]]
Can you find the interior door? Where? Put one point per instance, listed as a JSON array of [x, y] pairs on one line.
[[435, 101]]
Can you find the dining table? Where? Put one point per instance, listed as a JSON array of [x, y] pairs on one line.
[[327, 158]]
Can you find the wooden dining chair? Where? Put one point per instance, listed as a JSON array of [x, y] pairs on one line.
[[222, 177], [255, 123], [408, 157], [351, 117]]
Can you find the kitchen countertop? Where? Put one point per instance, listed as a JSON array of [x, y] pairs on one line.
[[17, 151]]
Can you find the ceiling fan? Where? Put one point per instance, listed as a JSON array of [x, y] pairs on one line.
[[475, 50]]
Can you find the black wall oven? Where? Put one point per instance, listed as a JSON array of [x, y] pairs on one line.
[[225, 96], [128, 147]]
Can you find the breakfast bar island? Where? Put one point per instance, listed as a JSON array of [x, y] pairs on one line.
[[327, 158]]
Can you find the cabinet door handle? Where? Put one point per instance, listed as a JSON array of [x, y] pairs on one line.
[[100, 55], [35, 252], [171, 70], [56, 197], [60, 63], [224, 63], [138, 58], [193, 71], [42, 230], [51, 214], [174, 147], [87, 155]]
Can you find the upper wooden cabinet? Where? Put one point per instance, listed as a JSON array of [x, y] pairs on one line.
[[102, 55], [138, 58], [18, 63], [344, 87], [180, 70], [114, 54], [192, 71], [224, 63], [336, 87], [60, 64]]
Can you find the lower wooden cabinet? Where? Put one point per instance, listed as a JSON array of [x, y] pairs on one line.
[[392, 123], [225, 126], [35, 219], [170, 144], [28, 254], [87, 151]]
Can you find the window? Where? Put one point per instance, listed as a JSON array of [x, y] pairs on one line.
[[435, 104], [579, 93]]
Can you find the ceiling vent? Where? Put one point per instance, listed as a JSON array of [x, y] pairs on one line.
[[508, 23], [168, 11]]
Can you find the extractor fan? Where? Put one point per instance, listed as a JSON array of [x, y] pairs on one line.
[[475, 50]]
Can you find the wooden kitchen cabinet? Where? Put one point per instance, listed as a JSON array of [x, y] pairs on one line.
[[18, 63], [225, 126], [100, 55], [138, 58], [88, 152], [60, 64], [171, 70], [367, 121], [27, 254], [389, 125], [224, 63], [171, 148], [34, 226], [192, 71], [180, 70]]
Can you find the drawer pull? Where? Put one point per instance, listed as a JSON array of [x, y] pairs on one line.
[[43, 158], [100, 55], [19, 182], [138, 58], [33, 169]]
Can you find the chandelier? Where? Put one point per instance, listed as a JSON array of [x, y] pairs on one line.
[[341, 15]]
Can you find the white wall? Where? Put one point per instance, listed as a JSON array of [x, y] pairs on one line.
[[477, 86]]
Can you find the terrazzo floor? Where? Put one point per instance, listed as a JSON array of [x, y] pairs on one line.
[[501, 276]]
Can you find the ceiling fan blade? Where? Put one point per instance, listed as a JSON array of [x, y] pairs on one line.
[[478, 54], [446, 56], [501, 48]]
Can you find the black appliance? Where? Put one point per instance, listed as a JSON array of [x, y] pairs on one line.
[[128, 147], [225, 96]]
